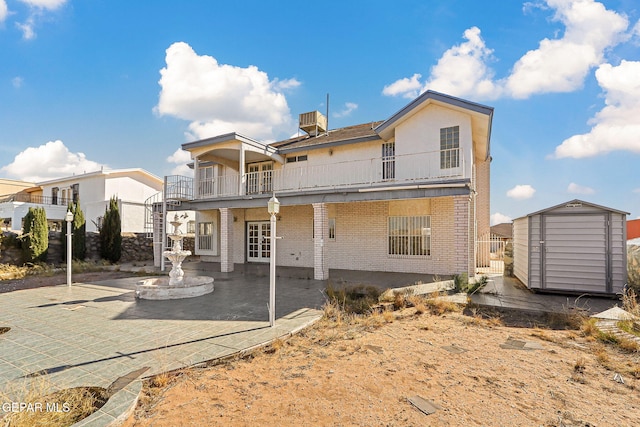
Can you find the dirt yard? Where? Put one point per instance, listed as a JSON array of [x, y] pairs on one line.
[[363, 373]]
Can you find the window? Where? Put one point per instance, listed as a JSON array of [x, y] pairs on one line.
[[294, 159], [75, 188], [205, 235], [54, 195], [450, 147], [410, 235], [388, 160], [332, 229], [191, 227]]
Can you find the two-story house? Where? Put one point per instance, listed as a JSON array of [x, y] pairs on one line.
[[132, 188], [407, 194]]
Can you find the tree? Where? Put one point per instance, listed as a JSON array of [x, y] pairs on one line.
[[110, 233], [79, 234], [35, 237]]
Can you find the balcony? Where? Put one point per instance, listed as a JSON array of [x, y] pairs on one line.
[[37, 199], [420, 168]]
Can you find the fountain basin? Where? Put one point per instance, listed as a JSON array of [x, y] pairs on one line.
[[158, 288]]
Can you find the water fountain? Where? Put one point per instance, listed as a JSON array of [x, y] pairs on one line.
[[175, 286]]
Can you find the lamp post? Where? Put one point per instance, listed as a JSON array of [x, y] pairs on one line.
[[273, 207], [69, 218]]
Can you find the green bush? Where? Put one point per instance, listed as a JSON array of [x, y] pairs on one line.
[[35, 237], [110, 233], [79, 234]]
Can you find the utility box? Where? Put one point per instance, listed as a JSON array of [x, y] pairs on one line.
[[574, 247]]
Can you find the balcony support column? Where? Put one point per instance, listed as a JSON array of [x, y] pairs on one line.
[[226, 240], [321, 234], [241, 170]]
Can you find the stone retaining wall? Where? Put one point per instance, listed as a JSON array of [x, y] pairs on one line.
[[135, 247]]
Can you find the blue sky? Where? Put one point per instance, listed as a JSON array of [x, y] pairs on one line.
[[122, 84]]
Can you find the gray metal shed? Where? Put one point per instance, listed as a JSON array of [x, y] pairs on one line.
[[572, 247]]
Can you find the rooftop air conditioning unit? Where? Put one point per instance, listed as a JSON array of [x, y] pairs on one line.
[[313, 123]]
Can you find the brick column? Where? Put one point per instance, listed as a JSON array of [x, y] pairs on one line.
[[321, 235], [226, 240], [463, 239]]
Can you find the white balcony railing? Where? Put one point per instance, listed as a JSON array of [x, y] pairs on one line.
[[410, 168]]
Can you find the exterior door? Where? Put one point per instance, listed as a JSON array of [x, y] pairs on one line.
[[575, 253], [258, 241], [259, 178]]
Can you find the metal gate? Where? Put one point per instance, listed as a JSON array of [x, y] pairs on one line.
[[490, 254]]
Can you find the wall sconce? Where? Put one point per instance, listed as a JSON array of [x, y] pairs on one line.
[[235, 219], [331, 151], [279, 217]]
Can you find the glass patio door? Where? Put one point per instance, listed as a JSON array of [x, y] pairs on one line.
[[258, 241]]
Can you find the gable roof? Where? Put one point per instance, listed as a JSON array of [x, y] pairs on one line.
[[106, 173], [481, 116], [575, 202], [504, 230]]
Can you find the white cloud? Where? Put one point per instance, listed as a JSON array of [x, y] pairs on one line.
[[461, 71], [409, 87], [28, 32], [44, 4], [557, 65], [17, 82], [49, 161], [498, 218], [4, 11], [349, 107], [521, 192], [561, 65], [616, 126], [180, 158], [37, 9], [574, 188], [220, 98]]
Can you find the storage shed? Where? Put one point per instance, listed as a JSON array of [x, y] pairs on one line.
[[572, 247]]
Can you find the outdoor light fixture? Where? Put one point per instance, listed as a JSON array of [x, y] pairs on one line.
[[69, 218], [273, 207]]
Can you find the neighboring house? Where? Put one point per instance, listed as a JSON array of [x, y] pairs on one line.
[[9, 187], [633, 229], [132, 187], [502, 231], [408, 194]]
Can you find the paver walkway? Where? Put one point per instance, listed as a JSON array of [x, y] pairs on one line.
[[92, 334]]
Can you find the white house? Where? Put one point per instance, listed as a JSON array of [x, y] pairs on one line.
[[407, 194], [132, 188]]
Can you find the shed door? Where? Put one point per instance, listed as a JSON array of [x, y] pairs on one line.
[[575, 253]]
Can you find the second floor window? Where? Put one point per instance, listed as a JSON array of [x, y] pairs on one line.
[[450, 147], [54, 195], [388, 160], [75, 188]]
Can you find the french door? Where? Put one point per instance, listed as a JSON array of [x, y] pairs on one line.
[[259, 178], [258, 241]]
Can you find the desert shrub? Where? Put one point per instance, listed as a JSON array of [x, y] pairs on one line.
[[35, 237], [633, 267], [461, 282], [110, 233], [357, 299]]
